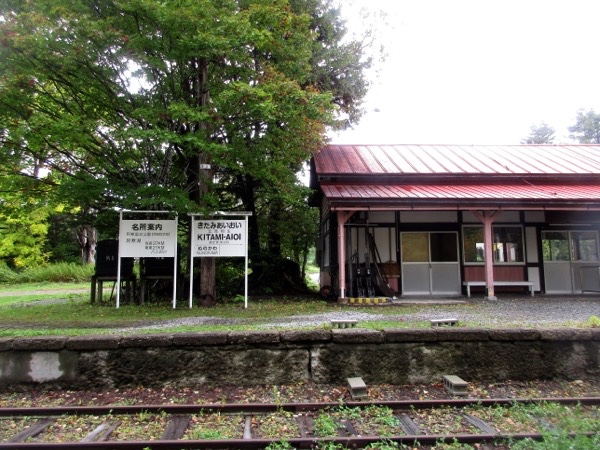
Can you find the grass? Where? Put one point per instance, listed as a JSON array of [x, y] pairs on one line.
[[58, 308], [77, 316], [63, 308], [44, 286]]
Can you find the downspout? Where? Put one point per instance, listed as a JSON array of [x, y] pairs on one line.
[[487, 218], [342, 217]]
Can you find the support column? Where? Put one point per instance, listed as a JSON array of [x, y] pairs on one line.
[[487, 218], [342, 217]]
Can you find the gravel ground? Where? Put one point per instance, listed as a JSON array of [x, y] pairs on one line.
[[520, 311], [545, 311]]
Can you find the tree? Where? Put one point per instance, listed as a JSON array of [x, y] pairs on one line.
[[587, 127], [23, 222], [188, 105], [540, 134]]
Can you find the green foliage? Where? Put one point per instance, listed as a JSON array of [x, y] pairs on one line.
[[330, 446], [281, 445], [7, 275], [593, 322], [325, 425], [122, 103], [586, 129], [560, 440], [208, 434], [454, 445], [61, 242], [23, 221], [60, 272], [386, 445], [230, 277], [540, 134]]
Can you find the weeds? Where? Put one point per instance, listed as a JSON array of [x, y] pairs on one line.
[[52, 273], [325, 425], [386, 445], [558, 440], [281, 445]]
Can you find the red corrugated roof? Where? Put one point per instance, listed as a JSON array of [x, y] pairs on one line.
[[461, 192], [463, 196], [458, 160], [460, 176]]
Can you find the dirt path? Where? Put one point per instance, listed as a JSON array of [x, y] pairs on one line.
[[43, 292]]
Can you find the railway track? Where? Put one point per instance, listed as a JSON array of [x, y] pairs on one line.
[[494, 422]]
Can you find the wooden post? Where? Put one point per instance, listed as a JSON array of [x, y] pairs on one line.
[[342, 217], [487, 218]]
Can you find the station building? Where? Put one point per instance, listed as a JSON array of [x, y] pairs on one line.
[[449, 220]]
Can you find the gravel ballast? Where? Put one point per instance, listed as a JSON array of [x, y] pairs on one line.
[[521, 311]]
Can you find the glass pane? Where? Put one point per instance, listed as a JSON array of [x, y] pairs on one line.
[[473, 244], [443, 247], [555, 246], [585, 246], [508, 244], [414, 247]]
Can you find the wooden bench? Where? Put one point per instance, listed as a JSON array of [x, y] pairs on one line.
[[528, 284]]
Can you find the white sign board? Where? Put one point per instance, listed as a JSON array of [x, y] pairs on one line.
[[148, 238], [215, 238]]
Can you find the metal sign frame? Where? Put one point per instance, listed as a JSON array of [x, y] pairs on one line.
[[244, 214]]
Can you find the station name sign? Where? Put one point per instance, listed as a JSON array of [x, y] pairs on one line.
[[218, 238]]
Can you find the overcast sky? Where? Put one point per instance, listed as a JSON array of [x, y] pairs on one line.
[[478, 71]]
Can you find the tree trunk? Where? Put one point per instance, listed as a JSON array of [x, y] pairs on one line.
[[274, 242], [203, 176], [248, 201], [87, 237]]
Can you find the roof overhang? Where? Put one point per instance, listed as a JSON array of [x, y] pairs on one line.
[[462, 197]]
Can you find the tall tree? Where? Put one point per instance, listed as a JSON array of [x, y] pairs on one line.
[[587, 127], [540, 134], [24, 221], [179, 104]]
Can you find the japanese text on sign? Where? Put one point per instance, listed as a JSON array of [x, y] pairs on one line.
[[219, 238], [147, 238]]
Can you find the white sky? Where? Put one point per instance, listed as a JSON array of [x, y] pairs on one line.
[[478, 71]]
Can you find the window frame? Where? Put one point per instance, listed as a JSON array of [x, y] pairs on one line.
[[495, 263]]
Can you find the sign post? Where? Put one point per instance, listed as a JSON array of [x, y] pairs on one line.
[[145, 238], [220, 238]]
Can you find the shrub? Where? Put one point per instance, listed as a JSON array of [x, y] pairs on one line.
[[58, 273], [7, 275]]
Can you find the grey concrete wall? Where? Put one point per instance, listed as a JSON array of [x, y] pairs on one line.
[[394, 356]]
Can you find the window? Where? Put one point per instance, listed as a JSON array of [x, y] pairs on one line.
[[555, 246], [570, 246], [507, 248], [443, 247], [585, 246], [473, 244]]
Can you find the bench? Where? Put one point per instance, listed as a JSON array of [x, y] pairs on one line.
[[528, 284]]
